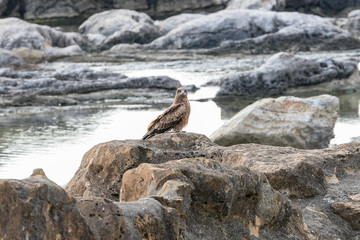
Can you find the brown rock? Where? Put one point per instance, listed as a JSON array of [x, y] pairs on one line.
[[246, 191], [348, 211], [102, 167], [36, 208], [144, 219], [207, 190]]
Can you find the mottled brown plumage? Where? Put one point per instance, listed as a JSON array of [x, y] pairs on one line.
[[175, 117]]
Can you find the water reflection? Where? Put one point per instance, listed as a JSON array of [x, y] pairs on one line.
[[56, 142]]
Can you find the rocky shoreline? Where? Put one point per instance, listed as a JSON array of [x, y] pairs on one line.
[[126, 35], [183, 186]]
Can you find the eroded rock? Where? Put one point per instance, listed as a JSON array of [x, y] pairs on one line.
[[36, 208], [226, 192]]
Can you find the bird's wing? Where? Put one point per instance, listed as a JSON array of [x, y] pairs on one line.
[[171, 117]]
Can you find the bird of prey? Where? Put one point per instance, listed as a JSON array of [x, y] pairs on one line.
[[174, 117]]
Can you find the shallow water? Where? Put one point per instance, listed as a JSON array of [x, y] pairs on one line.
[[56, 138]]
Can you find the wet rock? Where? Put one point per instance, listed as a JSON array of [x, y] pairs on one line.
[[143, 219], [119, 26], [275, 5], [253, 31], [283, 71], [16, 33], [10, 59], [170, 23], [284, 121], [36, 208]]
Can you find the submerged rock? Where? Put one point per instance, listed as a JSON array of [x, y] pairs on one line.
[[284, 121], [119, 26], [36, 208], [253, 31], [283, 71]]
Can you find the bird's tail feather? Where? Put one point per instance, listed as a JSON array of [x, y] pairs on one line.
[[147, 135]]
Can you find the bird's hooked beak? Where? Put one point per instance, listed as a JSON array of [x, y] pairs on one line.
[[182, 92]]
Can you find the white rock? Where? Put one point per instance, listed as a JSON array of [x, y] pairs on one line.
[[284, 121]]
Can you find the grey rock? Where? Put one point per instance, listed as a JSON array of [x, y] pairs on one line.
[[39, 9], [10, 59], [76, 84], [253, 31], [283, 71], [284, 121], [353, 24], [328, 8], [275, 5], [17, 33], [119, 26], [36, 41], [170, 23]]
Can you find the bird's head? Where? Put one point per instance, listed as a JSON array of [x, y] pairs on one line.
[[181, 93]]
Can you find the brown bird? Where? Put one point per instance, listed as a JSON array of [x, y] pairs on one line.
[[175, 117]]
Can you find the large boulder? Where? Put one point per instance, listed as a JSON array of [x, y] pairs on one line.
[[283, 71], [254, 31], [284, 121], [119, 26], [36, 208], [16, 33], [247, 190]]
